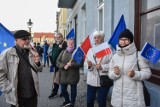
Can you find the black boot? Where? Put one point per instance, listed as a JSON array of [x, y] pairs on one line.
[[54, 91], [52, 95]]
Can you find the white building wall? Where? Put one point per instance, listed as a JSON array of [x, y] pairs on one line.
[[113, 9]]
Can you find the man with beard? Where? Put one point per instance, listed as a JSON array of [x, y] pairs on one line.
[[19, 67]]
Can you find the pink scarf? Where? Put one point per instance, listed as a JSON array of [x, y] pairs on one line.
[[70, 49]]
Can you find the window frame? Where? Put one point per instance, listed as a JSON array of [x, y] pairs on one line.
[[99, 8], [155, 78]]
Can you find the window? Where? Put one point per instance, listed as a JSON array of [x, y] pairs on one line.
[[101, 16], [147, 29], [149, 4], [83, 10]]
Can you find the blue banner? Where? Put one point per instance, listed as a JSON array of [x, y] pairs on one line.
[[70, 34], [120, 27]]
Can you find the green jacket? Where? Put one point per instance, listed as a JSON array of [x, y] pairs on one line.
[[71, 75]]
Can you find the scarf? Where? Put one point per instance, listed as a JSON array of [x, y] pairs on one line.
[[70, 49]]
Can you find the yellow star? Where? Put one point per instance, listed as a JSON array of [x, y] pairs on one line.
[[5, 44]]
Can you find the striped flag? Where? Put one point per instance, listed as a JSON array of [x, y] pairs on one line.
[[101, 50], [89, 42]]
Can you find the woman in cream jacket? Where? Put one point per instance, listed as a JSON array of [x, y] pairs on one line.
[[128, 87]]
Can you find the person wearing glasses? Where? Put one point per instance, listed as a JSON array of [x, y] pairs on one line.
[[19, 67], [57, 47], [127, 76]]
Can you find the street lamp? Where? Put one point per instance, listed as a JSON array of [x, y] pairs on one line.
[[29, 24]]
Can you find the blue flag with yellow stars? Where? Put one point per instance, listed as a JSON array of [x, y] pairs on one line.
[[151, 53], [78, 55], [6, 38]]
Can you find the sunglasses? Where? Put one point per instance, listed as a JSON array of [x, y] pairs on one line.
[[26, 38]]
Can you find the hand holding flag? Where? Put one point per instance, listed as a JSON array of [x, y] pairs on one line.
[[81, 51], [78, 55]]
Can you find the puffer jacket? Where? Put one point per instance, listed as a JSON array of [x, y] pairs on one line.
[[92, 73], [9, 61], [127, 91]]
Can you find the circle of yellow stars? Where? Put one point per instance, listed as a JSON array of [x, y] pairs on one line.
[[150, 50]]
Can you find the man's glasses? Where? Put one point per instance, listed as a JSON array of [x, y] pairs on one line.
[[26, 38]]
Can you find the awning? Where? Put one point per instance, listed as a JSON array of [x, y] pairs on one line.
[[66, 3]]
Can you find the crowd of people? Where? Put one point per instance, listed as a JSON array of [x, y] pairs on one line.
[[19, 67]]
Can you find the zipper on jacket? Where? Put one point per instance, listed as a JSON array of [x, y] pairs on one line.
[[122, 78]]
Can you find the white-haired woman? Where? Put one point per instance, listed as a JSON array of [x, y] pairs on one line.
[[95, 67]]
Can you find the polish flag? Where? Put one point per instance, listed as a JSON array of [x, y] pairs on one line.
[[101, 50], [88, 42]]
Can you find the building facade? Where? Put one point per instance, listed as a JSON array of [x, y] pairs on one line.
[[40, 37], [141, 17], [62, 21]]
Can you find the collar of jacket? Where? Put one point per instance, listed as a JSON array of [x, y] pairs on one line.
[[128, 50]]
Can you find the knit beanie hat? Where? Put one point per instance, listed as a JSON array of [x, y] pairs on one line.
[[21, 34], [127, 34]]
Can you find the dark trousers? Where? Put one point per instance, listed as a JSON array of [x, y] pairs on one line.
[[101, 93], [73, 93], [47, 59], [27, 102], [56, 87]]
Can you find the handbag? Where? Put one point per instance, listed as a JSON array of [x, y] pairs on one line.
[[147, 98], [146, 94], [105, 80], [51, 68]]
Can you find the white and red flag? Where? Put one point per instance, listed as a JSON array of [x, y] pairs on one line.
[[88, 42], [101, 50]]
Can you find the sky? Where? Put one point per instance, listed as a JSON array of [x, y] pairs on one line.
[[14, 14]]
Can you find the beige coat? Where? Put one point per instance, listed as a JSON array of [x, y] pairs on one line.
[[9, 61]]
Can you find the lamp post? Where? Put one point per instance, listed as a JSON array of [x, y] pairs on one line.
[[29, 24]]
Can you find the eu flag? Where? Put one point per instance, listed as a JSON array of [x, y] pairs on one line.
[[151, 53], [120, 27], [6, 38], [78, 55], [70, 34]]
